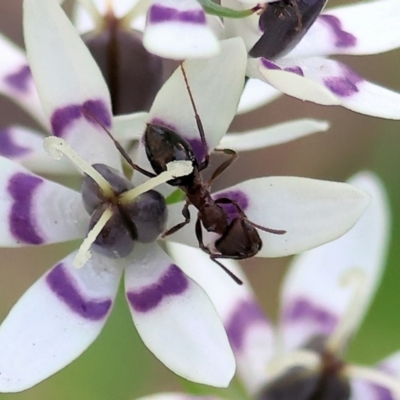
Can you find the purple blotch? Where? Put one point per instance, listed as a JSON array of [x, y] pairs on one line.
[[303, 310], [238, 197], [172, 283], [344, 86], [159, 14], [22, 188], [246, 314], [295, 70], [198, 149], [62, 285], [382, 393], [94, 111], [343, 39], [269, 64], [8, 148], [20, 80]]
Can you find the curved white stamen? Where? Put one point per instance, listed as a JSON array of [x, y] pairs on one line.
[[84, 254], [175, 169], [139, 8], [337, 341], [57, 147], [299, 358], [94, 13], [374, 376]]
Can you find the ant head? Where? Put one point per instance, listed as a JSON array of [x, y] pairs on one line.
[[162, 146], [241, 240]]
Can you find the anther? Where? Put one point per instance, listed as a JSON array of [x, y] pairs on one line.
[[83, 255], [57, 147], [175, 169]]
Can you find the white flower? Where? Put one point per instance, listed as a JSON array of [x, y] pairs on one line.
[[325, 295], [364, 28], [65, 310]]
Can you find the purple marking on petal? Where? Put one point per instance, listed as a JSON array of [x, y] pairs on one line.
[[160, 14], [94, 111], [344, 86], [172, 283], [381, 393], [238, 197], [22, 188], [269, 64], [62, 285], [246, 314], [8, 148], [343, 39], [198, 149], [20, 80], [295, 70], [302, 310]]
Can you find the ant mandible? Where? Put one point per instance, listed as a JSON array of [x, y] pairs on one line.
[[239, 237]]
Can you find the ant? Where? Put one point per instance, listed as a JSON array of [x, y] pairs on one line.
[[239, 237]]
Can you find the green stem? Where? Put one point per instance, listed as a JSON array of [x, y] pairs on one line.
[[214, 9]]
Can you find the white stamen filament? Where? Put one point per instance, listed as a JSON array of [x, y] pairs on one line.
[[299, 358], [94, 13], [337, 341], [57, 147], [83, 255], [374, 376], [175, 169], [139, 8]]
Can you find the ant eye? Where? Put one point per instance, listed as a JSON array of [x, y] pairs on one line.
[[149, 213], [116, 238], [284, 24], [128, 68], [93, 195]]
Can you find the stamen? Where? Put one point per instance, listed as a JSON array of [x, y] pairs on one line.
[[84, 254], [374, 376], [299, 358], [175, 169], [94, 13], [139, 8], [356, 277], [56, 147]]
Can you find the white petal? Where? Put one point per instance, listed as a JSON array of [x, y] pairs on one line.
[[361, 28], [69, 82], [216, 99], [249, 330], [55, 321], [313, 301], [130, 126], [179, 30], [16, 79], [256, 94], [312, 212], [273, 135], [37, 211], [316, 76], [176, 319]]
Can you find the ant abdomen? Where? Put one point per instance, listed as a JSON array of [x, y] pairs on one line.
[[162, 146]]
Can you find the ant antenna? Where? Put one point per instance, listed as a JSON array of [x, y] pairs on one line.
[[197, 117], [118, 146]]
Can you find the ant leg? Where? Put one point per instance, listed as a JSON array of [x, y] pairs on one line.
[[213, 256], [186, 215], [205, 162], [119, 147], [222, 167], [225, 200]]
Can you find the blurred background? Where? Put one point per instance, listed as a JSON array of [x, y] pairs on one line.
[[118, 366]]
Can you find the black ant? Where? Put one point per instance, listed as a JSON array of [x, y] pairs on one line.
[[239, 237]]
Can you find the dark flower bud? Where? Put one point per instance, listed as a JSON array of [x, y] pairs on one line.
[[133, 75], [284, 24]]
